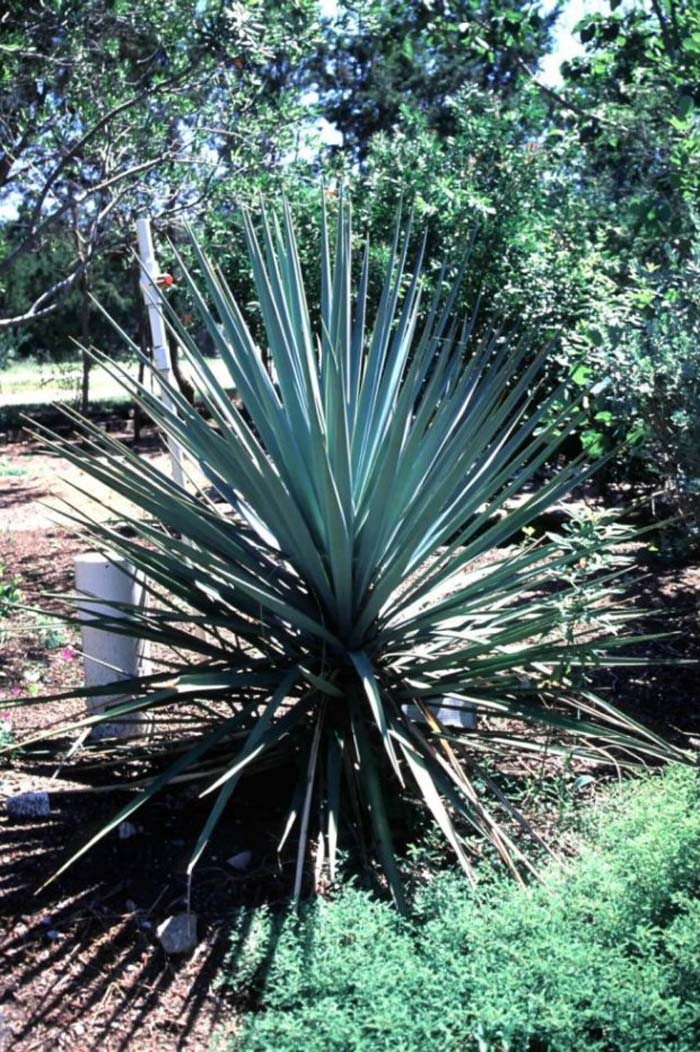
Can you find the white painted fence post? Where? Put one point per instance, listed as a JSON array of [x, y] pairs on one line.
[[159, 336], [110, 580]]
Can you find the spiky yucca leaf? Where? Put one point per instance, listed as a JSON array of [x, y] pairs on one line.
[[337, 590]]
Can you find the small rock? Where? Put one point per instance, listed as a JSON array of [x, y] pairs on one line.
[[178, 933], [126, 830], [241, 860], [28, 805]]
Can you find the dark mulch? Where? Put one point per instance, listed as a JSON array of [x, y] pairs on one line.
[[81, 960]]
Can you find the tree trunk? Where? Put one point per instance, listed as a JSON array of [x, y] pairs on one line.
[[185, 387], [85, 337]]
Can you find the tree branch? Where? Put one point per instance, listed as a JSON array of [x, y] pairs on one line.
[[565, 103], [89, 192], [49, 300], [663, 26], [41, 306], [72, 152]]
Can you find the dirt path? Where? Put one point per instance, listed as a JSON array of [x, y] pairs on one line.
[[33, 484]]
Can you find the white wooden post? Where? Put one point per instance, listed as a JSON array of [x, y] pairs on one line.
[[159, 337], [110, 580]]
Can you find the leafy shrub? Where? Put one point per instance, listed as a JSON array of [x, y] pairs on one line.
[[337, 594], [51, 632], [499, 171], [661, 364], [645, 342], [602, 955], [10, 595], [10, 592]]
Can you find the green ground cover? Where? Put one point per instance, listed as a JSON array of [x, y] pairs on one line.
[[29, 382], [602, 955]]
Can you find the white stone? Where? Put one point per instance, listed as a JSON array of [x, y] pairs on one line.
[[178, 933], [28, 805], [241, 860], [451, 712]]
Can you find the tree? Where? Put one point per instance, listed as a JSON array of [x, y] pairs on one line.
[[111, 107], [378, 58], [640, 80], [634, 155]]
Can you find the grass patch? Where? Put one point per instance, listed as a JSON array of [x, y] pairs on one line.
[[15, 417], [32, 389], [41, 383], [603, 955], [8, 470]]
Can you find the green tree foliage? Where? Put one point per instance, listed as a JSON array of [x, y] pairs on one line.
[[637, 167], [111, 108], [495, 180], [640, 76], [377, 58], [112, 279]]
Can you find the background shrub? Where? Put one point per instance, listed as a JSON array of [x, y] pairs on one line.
[[654, 365]]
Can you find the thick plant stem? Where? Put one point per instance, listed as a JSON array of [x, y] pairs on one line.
[[377, 810], [304, 833]]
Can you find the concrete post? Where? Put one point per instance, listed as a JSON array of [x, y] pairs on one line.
[[110, 579]]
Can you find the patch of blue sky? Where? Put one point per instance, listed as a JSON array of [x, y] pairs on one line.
[[566, 44]]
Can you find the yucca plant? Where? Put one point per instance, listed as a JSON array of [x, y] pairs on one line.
[[335, 592]]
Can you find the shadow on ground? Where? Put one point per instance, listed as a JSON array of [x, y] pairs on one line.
[[82, 963], [665, 693]]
